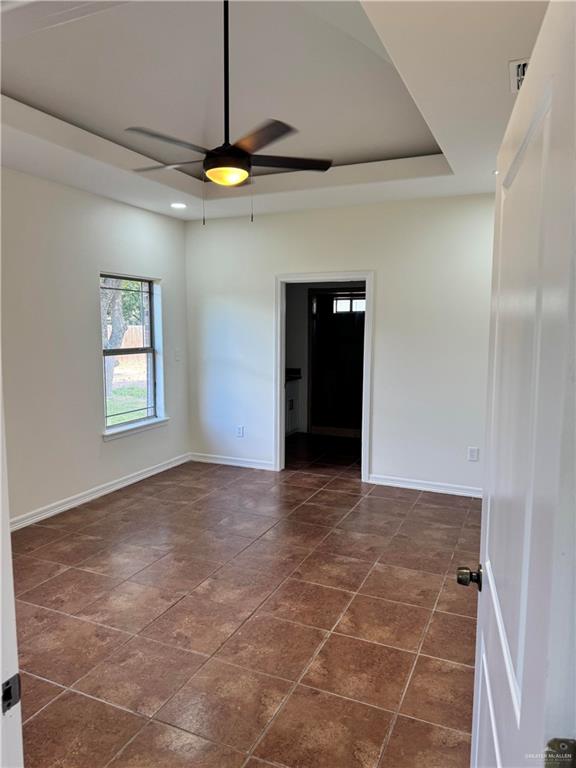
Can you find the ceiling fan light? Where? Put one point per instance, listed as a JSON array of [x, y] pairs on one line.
[[227, 176]]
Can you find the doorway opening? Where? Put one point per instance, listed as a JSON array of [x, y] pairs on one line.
[[323, 371]]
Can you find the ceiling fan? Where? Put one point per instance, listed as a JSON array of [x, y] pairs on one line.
[[231, 164]]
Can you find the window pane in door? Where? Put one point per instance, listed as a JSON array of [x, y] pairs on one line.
[[129, 382], [341, 305]]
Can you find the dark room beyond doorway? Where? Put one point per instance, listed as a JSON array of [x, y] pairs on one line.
[[324, 369]]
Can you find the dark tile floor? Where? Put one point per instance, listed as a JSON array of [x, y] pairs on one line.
[[217, 617]]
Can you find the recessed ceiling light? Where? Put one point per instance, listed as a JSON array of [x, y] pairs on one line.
[[496, 173], [178, 206]]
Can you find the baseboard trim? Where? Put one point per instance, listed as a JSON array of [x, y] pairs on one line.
[[426, 485], [36, 515], [42, 513], [232, 461]]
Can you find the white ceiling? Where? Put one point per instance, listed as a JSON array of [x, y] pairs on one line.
[[76, 74], [159, 64]]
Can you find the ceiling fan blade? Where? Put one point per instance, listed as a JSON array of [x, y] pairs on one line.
[[291, 163], [168, 139], [265, 134], [165, 167]]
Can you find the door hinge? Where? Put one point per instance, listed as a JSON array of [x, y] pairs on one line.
[[560, 753], [10, 693]]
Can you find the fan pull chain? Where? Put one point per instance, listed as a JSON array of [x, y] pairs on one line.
[[203, 199], [251, 197]]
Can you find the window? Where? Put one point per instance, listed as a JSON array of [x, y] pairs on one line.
[[129, 350], [349, 305], [341, 305]]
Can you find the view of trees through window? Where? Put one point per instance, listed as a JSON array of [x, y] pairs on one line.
[[128, 349]]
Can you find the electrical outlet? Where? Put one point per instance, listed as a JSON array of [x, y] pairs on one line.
[[473, 453], [239, 431]]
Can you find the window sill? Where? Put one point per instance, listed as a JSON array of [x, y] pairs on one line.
[[130, 429]]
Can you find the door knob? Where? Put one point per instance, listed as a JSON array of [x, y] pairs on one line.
[[466, 576]]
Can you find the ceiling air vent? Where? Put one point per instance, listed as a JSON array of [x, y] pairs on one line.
[[518, 69]]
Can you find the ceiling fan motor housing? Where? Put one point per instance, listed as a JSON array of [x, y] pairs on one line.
[[227, 156]]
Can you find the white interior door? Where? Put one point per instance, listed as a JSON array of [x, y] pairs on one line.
[[525, 681], [11, 728], [11, 724]]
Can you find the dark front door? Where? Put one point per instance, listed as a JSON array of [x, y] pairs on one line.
[[336, 361]]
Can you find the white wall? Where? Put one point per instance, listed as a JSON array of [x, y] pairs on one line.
[[55, 242], [432, 260]]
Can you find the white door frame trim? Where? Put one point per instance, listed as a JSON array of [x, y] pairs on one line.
[[280, 355]]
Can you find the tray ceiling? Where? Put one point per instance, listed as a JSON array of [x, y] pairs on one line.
[[411, 99], [318, 66]]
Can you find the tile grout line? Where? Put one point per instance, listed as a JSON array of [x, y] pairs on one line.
[[229, 485], [308, 665], [417, 656], [21, 596], [18, 596], [332, 631], [226, 662], [329, 633], [208, 658], [255, 610], [253, 613], [131, 635], [127, 580], [221, 565], [76, 566], [409, 679], [290, 576]]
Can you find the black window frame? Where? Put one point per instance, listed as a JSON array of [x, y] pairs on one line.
[[118, 351]]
